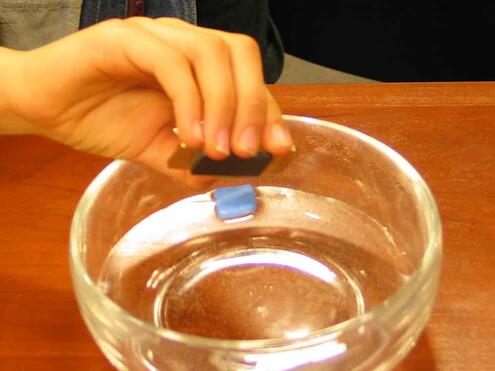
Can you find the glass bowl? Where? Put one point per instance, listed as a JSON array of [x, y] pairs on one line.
[[336, 269]]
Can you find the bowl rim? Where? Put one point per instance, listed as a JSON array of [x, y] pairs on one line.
[[431, 259]]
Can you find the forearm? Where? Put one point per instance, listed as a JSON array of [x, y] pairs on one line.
[[10, 122]]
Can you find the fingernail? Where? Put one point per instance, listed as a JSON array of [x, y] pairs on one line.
[[281, 136], [222, 145], [198, 131], [249, 140]]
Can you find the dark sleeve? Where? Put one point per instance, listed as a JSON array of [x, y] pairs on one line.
[[250, 17]]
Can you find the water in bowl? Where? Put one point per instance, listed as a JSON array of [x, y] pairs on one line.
[[300, 263]]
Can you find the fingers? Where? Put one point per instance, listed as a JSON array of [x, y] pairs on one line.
[[229, 74], [210, 59], [214, 80], [251, 104], [258, 120], [276, 135]]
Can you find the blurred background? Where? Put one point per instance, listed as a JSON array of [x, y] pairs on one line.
[[386, 40]]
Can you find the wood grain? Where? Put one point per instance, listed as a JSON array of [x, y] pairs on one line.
[[447, 131]]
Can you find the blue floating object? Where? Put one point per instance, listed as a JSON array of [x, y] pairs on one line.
[[235, 202]]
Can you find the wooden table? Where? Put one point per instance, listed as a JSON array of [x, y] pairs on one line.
[[447, 131]]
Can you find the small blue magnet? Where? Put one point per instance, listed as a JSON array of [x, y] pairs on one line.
[[235, 202]]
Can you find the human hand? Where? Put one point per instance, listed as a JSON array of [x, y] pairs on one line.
[[118, 88]]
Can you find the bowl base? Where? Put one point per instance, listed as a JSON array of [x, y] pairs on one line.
[[257, 293]]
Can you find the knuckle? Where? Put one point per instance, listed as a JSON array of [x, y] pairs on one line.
[[255, 102], [222, 101], [138, 21], [214, 45], [110, 30], [113, 26], [247, 42], [179, 60]]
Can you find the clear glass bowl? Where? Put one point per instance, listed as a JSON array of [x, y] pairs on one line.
[[337, 268]]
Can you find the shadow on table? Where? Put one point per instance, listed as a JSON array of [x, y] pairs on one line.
[[421, 356]]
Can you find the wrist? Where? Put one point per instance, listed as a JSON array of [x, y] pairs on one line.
[[10, 122]]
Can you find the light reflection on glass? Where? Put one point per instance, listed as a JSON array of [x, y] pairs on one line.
[[294, 358], [296, 334], [312, 215], [238, 220]]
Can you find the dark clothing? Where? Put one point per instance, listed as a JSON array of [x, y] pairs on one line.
[[28, 24], [94, 11], [249, 17]]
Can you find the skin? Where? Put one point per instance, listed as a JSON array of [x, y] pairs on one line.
[[117, 89]]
